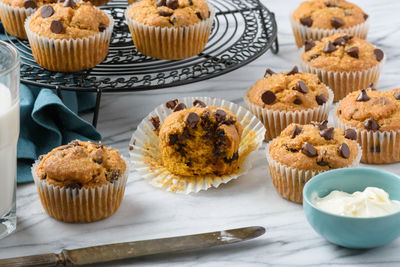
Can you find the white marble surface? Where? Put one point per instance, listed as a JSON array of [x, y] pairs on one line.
[[148, 213]]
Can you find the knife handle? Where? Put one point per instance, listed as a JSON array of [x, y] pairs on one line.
[[50, 259]]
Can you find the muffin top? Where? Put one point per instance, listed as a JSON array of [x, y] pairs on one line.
[[341, 52], [28, 3], [81, 164], [373, 110], [329, 14], [68, 20], [314, 146], [169, 13], [287, 91]]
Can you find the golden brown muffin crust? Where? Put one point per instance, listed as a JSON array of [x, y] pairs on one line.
[[169, 13], [382, 107], [81, 21], [341, 52], [28, 3], [289, 92], [329, 14], [290, 148], [81, 164]]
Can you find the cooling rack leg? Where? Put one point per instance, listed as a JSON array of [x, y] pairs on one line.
[[59, 93], [275, 46], [97, 107]]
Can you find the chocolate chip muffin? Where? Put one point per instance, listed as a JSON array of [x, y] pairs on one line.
[[170, 29], [302, 151], [14, 12], [373, 117], [69, 36], [200, 141], [280, 99], [81, 181], [99, 2], [343, 62], [316, 19]]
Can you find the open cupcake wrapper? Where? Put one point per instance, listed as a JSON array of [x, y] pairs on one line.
[[146, 156]]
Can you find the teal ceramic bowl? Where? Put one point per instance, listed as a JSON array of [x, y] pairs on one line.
[[353, 232]]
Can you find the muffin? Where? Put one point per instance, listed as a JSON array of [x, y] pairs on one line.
[[316, 19], [14, 12], [170, 29], [98, 2], [69, 36], [81, 181], [280, 99], [303, 151], [373, 118], [200, 141], [343, 62]]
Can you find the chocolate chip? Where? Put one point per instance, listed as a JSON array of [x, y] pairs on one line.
[[44, 176], [41, 157], [329, 48], [173, 138], [113, 175], [297, 101], [339, 41], [322, 163], [98, 160], [313, 56], [363, 97], [397, 96], [268, 97], [199, 103], [235, 156], [371, 124], [180, 107], [185, 134], [308, 45], [74, 186], [352, 51], [46, 11], [327, 133], [229, 121], [309, 150], [30, 4], [161, 3], [378, 54], [371, 86], [164, 13], [365, 16], [56, 26], [323, 125], [269, 72], [74, 143], [131, 147], [301, 87], [198, 14], [190, 2], [296, 131], [347, 37], [156, 122], [350, 134], [102, 27], [220, 115], [293, 71], [321, 99], [344, 150], [172, 4], [336, 22], [327, 4], [306, 21], [69, 3], [192, 120], [171, 104]]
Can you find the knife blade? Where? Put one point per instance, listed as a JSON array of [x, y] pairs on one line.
[[126, 250]]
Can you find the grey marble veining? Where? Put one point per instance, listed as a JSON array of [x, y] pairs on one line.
[[147, 212]]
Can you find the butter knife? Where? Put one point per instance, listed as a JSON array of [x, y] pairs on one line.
[[119, 251]]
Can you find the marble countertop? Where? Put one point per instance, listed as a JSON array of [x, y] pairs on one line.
[[147, 212]]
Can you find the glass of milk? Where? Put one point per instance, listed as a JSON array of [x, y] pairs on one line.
[[9, 131]]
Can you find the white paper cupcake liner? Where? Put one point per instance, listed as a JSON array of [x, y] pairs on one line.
[[146, 156], [13, 19], [80, 205], [171, 42], [378, 147], [345, 82], [275, 121], [302, 33], [69, 55], [289, 182]]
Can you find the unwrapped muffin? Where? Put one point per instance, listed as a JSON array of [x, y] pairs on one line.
[[81, 181]]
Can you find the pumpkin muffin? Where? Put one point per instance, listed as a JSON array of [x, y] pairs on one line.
[[69, 36], [280, 99], [170, 29], [201, 141], [343, 62], [303, 151], [373, 118], [316, 19], [81, 181], [14, 12]]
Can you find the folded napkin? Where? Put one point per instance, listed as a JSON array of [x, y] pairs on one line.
[[47, 122]]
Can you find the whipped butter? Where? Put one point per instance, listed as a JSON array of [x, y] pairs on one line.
[[372, 202]]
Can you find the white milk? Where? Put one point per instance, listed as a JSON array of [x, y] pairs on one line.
[[9, 130]]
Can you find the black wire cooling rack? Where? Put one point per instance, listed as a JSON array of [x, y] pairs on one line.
[[243, 30]]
